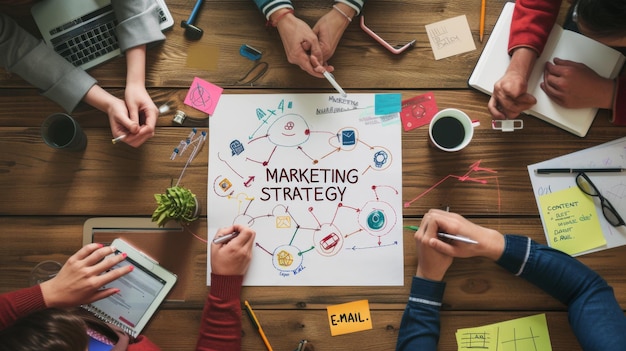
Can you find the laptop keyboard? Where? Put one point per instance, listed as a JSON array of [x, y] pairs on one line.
[[89, 41]]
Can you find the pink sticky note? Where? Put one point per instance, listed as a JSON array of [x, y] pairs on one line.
[[203, 95], [418, 111]]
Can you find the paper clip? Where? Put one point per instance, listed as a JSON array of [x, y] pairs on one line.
[[507, 125], [394, 49]]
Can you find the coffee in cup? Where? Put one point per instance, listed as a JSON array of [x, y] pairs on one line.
[[61, 131], [451, 130]]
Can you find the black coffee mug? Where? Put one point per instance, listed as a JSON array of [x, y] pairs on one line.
[[61, 131], [451, 130]]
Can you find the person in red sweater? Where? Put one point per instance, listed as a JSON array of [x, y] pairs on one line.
[[45, 317], [570, 84]]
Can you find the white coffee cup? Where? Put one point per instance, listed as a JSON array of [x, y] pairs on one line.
[[451, 130]]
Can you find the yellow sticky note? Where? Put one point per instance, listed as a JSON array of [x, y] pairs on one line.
[[526, 333], [349, 317], [483, 338], [571, 221]]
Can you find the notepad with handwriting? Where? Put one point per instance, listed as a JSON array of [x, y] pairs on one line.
[[562, 43]]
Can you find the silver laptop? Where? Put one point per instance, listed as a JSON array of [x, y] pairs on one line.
[[83, 31]]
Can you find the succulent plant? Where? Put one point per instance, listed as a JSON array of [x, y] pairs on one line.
[[177, 203]]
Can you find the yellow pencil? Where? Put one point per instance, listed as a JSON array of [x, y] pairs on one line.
[[256, 323], [481, 30]]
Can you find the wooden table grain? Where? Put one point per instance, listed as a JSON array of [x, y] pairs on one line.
[[46, 195]]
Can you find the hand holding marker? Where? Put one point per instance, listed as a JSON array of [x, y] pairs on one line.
[[446, 235]]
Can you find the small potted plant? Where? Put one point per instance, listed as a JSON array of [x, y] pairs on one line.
[[178, 204]]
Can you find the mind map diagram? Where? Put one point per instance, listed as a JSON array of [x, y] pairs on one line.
[[322, 190]]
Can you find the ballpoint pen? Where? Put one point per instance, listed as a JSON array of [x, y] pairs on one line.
[[578, 170], [446, 235], [334, 83], [257, 325], [225, 238]]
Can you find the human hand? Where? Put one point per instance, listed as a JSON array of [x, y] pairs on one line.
[[490, 242], [83, 275], [300, 44], [330, 28], [232, 257], [510, 97], [510, 94], [119, 119], [575, 85], [431, 264], [115, 109], [141, 110]]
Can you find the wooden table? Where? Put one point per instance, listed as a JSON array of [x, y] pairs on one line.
[[47, 195]]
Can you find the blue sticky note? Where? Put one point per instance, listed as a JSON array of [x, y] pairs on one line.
[[385, 104]]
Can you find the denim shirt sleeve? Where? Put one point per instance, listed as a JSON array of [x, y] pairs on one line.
[[596, 318], [419, 328]]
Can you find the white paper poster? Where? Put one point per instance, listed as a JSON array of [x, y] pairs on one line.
[[319, 178]]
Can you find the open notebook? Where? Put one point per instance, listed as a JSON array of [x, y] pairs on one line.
[[563, 44]]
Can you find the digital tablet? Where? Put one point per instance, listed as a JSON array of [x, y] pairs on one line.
[[141, 291], [173, 248]]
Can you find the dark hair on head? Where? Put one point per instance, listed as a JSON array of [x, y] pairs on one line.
[[604, 18], [51, 329]]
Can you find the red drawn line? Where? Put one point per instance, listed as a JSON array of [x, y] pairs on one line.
[[336, 211], [354, 232], [407, 204], [466, 177], [304, 153], [375, 187], [313, 214], [261, 137], [270, 157], [330, 153], [262, 248], [226, 163]]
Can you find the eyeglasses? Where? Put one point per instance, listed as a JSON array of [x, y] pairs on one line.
[[586, 185]]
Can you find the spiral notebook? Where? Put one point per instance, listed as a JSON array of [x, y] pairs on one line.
[[141, 291]]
